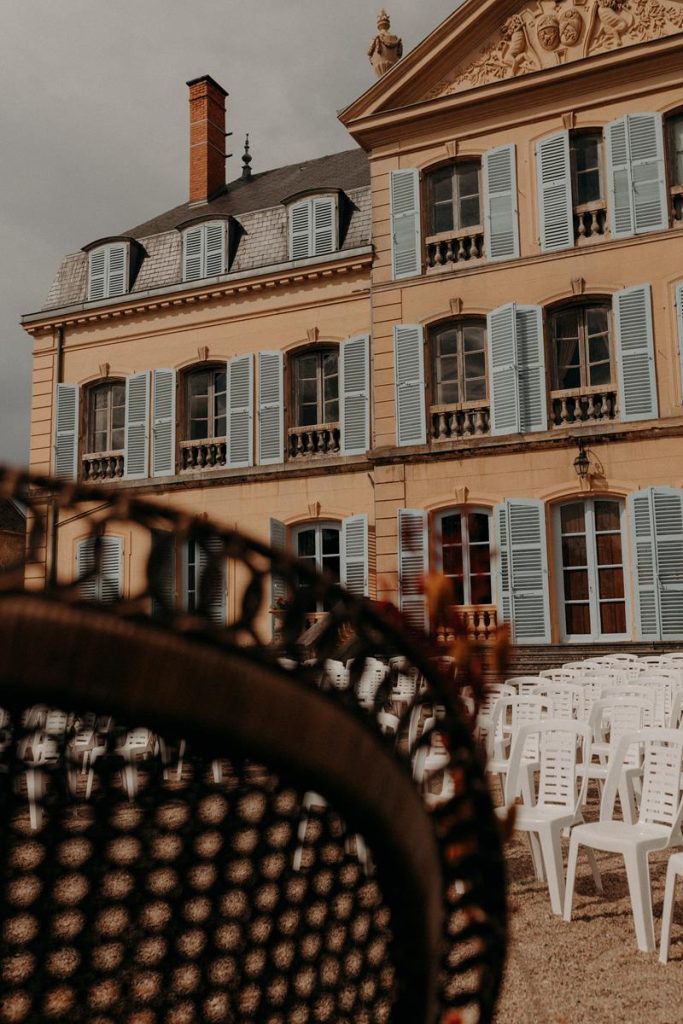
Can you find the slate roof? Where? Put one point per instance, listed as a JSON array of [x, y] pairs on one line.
[[256, 204]]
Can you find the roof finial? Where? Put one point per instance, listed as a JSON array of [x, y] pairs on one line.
[[246, 159], [385, 49]]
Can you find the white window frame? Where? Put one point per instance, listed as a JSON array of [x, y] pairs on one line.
[[436, 529], [318, 526], [593, 596]]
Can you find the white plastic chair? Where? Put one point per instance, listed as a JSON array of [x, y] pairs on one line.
[[560, 794], [672, 660], [405, 680], [561, 675], [38, 751], [658, 826], [336, 674], [373, 675], [650, 662], [644, 692], [674, 868], [676, 719], [564, 697], [620, 715], [492, 695], [430, 763], [620, 658], [523, 684], [138, 745]]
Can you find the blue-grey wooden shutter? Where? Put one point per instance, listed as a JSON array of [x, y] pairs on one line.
[[97, 274], [645, 559], [502, 359], [405, 223], [66, 432], [193, 248], [668, 520], [635, 353], [278, 584], [300, 230], [556, 213], [324, 225], [214, 249], [679, 324], [523, 587], [413, 561], [354, 548], [106, 584], [212, 584], [136, 464], [163, 557], [354, 388], [271, 408], [163, 423], [117, 269], [619, 183], [533, 406], [646, 150], [502, 217], [241, 412], [410, 384]]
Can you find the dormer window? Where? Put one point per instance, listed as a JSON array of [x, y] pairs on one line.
[[108, 271], [313, 227], [204, 250]]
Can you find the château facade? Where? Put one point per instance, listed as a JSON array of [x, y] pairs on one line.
[[457, 348]]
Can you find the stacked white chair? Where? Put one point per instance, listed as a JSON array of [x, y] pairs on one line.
[[619, 715], [523, 684], [564, 697], [658, 826]]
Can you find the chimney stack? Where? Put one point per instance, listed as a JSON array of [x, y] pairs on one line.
[[207, 139]]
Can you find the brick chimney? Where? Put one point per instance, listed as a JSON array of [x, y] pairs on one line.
[[207, 139]]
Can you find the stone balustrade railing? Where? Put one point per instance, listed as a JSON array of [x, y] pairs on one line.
[[321, 439], [451, 421], [452, 247], [98, 467], [583, 405], [206, 454], [479, 621], [590, 221]]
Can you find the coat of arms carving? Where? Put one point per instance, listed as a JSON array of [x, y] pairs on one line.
[[551, 32]]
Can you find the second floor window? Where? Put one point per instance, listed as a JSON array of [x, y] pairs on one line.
[[206, 404], [316, 388], [586, 159], [454, 198], [676, 150], [107, 417], [580, 340], [459, 363]]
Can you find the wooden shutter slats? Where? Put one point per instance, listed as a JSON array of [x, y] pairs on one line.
[[354, 546], [324, 225], [635, 353], [136, 465], [405, 223], [66, 431], [502, 218], [636, 175], [410, 385], [163, 423], [413, 556], [240, 388], [271, 444], [354, 380], [523, 581], [556, 212]]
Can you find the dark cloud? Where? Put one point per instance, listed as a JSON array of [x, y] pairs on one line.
[[94, 122]]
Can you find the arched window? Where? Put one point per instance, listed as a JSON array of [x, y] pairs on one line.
[[463, 552], [455, 218], [106, 431], [205, 404], [459, 388], [318, 545], [315, 380], [582, 362], [675, 146]]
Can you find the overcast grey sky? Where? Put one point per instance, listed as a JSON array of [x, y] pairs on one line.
[[93, 121]]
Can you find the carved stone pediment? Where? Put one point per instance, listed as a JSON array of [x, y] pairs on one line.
[[546, 33]]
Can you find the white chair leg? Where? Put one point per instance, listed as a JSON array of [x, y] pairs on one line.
[[551, 845], [181, 757], [130, 780], [638, 875], [35, 788], [571, 876], [595, 870], [627, 800], [301, 839], [667, 912], [536, 856], [217, 769]]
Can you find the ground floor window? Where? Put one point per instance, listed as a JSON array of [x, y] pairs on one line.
[[319, 546], [591, 563], [463, 544]]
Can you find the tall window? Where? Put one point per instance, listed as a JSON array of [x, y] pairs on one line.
[[592, 568], [676, 149], [464, 546], [107, 417], [454, 197], [459, 363], [205, 404], [316, 387], [580, 341], [319, 547], [586, 158]]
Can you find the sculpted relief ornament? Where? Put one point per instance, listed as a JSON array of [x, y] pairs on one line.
[[551, 32]]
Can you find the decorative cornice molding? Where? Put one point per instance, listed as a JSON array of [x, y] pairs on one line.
[[547, 33]]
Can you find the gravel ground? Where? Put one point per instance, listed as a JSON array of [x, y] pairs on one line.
[[588, 971]]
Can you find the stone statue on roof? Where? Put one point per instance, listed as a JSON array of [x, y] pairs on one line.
[[385, 49]]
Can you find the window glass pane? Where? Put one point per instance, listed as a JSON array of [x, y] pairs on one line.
[[586, 158], [448, 368], [441, 200], [118, 439], [475, 390], [611, 583], [198, 383], [576, 585], [608, 547], [441, 183], [447, 343], [470, 215], [474, 339], [452, 560], [330, 540], [676, 136], [613, 617], [307, 366], [332, 564], [448, 393], [607, 515], [578, 619], [573, 518], [475, 364], [565, 326], [451, 529], [478, 523], [305, 543], [574, 551]]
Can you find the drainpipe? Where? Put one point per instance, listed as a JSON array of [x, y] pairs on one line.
[[53, 540]]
